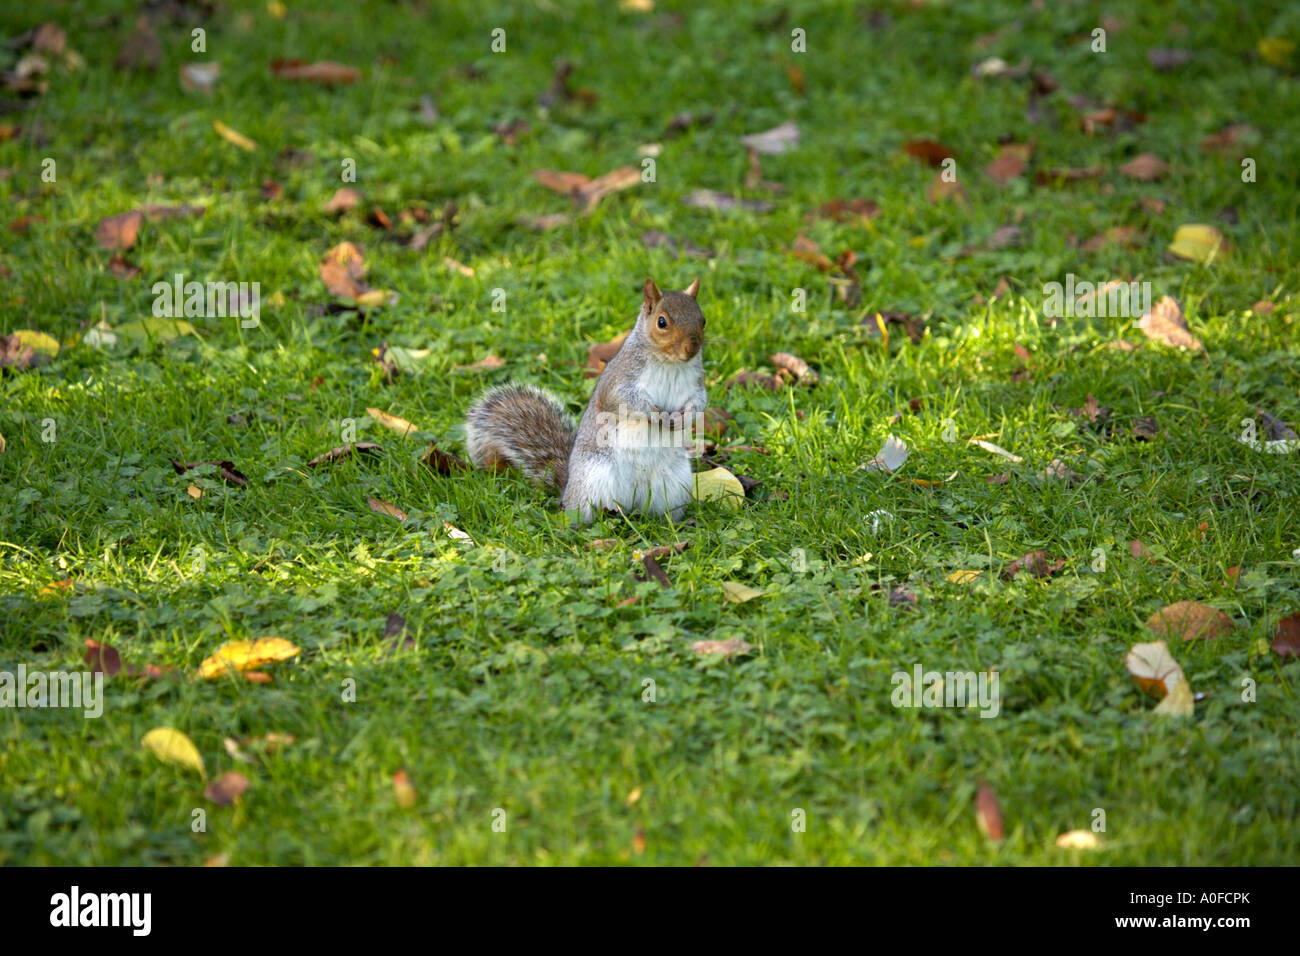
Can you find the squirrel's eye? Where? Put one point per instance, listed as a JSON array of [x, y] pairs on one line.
[[663, 321]]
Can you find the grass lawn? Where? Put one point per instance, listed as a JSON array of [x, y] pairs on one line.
[[518, 694]]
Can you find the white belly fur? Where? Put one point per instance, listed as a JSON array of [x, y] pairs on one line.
[[643, 476]]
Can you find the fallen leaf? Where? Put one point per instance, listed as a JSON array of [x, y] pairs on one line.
[[383, 507], [391, 421], [120, 231], [226, 469], [719, 484], [171, 746], [345, 451], [325, 72], [1009, 163], [1276, 51], [404, 790], [1038, 563], [1286, 643], [728, 648], [941, 189], [194, 491], [233, 136], [26, 349], [343, 200], [737, 593], [226, 789], [102, 658], [754, 380], [486, 364], [1153, 668], [1138, 549], [858, 211], [1126, 236], [988, 813], [1165, 323], [773, 142], [1145, 428], [712, 199], [200, 77], [441, 462], [928, 151], [1228, 139], [1068, 175], [1001, 452], [962, 577], [795, 366], [1058, 470], [1190, 620], [246, 656], [1145, 166], [1199, 243], [1178, 702], [1078, 840], [891, 457]]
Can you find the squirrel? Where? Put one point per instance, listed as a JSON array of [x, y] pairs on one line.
[[631, 449]]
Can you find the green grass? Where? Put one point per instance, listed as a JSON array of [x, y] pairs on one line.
[[524, 688]]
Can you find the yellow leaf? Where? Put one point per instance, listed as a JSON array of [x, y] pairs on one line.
[[634, 796], [374, 297], [718, 484], [1078, 840], [399, 425], [1276, 51], [247, 656], [1198, 243], [738, 593], [963, 577], [170, 745], [1154, 668], [38, 342], [276, 9], [194, 491], [1178, 702], [233, 136]]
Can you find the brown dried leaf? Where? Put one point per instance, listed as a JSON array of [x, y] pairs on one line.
[[102, 658], [727, 648], [226, 469], [1287, 641], [120, 231], [1190, 620], [346, 451], [1166, 323], [226, 789], [324, 72], [1038, 563], [380, 506], [928, 151], [795, 366], [442, 463], [1145, 166], [988, 813]]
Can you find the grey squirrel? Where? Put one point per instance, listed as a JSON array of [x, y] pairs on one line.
[[630, 451]]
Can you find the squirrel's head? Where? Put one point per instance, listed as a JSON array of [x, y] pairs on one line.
[[674, 321]]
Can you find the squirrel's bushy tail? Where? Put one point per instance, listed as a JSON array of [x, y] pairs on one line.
[[523, 426]]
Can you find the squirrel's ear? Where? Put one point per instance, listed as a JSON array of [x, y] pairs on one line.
[[693, 288], [652, 294]]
